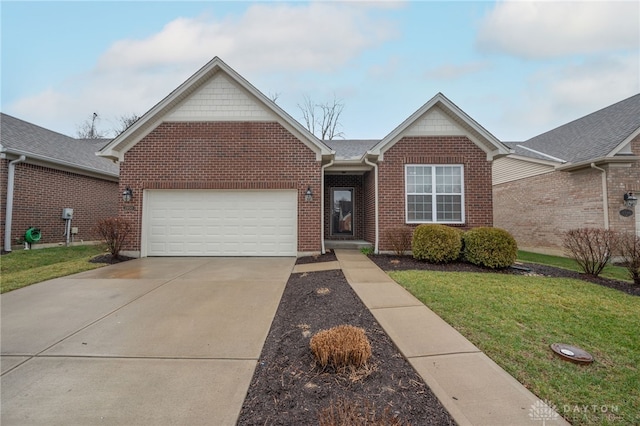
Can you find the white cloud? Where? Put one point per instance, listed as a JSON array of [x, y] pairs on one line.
[[542, 29], [562, 94], [132, 75]]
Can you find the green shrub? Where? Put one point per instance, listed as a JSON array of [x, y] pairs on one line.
[[436, 243], [490, 247]]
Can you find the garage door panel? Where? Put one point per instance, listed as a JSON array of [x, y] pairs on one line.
[[220, 223]]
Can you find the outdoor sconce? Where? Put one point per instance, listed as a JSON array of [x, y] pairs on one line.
[[630, 200], [308, 196], [127, 195]]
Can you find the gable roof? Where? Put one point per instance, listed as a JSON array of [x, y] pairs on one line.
[[351, 149], [600, 134], [474, 131], [152, 118], [19, 137]]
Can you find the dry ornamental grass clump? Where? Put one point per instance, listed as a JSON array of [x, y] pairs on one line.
[[354, 413], [341, 346]]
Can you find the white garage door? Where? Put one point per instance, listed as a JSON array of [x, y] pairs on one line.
[[219, 223]]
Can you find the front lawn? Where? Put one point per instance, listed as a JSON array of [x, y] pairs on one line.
[[610, 271], [21, 268], [514, 319]]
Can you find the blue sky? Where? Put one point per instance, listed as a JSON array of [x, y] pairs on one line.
[[519, 68]]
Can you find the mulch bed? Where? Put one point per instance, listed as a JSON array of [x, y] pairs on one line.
[[108, 259], [288, 388]]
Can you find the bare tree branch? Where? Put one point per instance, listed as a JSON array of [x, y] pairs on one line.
[[88, 128], [124, 122], [323, 119]]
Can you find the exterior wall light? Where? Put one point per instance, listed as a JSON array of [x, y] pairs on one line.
[[630, 200], [127, 195], [308, 196]]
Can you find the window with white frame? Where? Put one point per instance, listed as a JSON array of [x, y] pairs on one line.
[[434, 193]]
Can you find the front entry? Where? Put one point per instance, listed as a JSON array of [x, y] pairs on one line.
[[342, 212]]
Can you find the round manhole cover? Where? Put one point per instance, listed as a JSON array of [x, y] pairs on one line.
[[572, 353]]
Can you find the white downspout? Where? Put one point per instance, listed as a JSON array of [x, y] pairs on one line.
[[375, 168], [8, 217], [605, 200], [323, 250]]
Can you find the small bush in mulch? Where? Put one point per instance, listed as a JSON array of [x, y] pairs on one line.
[[355, 413], [436, 243], [341, 346], [493, 248], [399, 238]]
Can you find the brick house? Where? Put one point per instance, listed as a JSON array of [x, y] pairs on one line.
[[571, 177], [43, 172], [217, 168]]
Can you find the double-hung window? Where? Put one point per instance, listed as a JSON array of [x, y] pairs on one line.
[[434, 193]]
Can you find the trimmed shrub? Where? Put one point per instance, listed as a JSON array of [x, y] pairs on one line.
[[341, 346], [436, 243], [590, 247], [114, 231], [629, 247], [492, 248], [400, 239], [354, 413]]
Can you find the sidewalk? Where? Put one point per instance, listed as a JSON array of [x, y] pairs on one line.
[[473, 388]]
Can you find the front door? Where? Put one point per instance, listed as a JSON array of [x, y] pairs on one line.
[[342, 211]]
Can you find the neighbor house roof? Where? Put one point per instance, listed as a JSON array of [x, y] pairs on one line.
[[601, 134], [38, 144]]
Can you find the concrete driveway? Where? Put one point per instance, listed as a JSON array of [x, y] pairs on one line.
[[150, 341]]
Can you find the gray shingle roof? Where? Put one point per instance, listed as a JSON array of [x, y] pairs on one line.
[[590, 137], [350, 149], [25, 138]]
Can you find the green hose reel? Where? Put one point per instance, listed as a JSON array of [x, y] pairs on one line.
[[32, 235]]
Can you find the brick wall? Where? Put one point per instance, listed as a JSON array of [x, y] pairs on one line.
[[40, 194], [434, 150], [619, 181], [538, 210], [345, 181], [223, 155]]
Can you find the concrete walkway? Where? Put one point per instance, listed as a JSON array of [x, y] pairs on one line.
[[151, 341], [473, 388]]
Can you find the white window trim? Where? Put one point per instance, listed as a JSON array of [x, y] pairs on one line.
[[434, 213]]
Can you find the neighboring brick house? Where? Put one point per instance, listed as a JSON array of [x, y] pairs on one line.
[[555, 182], [218, 169], [50, 172]]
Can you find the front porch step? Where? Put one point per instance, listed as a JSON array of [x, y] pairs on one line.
[[348, 244]]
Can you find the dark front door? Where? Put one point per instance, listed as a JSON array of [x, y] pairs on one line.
[[342, 211]]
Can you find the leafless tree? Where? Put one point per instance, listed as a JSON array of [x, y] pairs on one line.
[[124, 121], [88, 130], [322, 119], [274, 96]]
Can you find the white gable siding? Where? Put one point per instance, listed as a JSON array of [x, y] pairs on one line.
[[219, 99], [435, 122], [508, 169]]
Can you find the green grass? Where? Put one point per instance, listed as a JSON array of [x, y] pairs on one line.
[[610, 271], [514, 319], [21, 268]]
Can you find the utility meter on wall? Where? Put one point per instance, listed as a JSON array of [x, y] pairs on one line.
[[67, 213]]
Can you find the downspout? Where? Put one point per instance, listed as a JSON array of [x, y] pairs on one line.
[[605, 201], [8, 217], [375, 168], [323, 250]]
